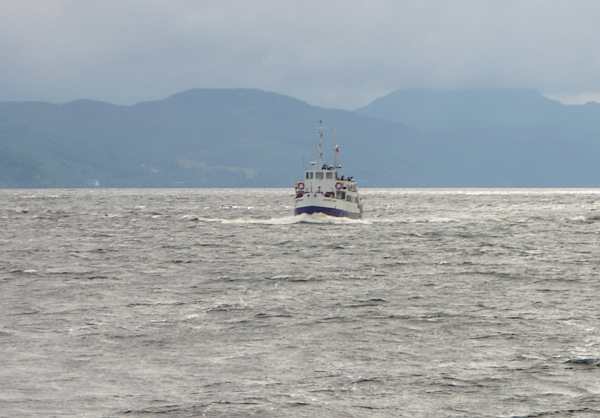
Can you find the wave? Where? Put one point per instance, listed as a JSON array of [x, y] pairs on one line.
[[584, 219], [585, 361], [287, 220], [402, 220], [320, 218], [316, 218]]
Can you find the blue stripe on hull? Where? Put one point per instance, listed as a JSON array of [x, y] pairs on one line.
[[327, 211]]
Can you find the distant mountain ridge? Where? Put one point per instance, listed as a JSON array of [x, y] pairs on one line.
[[246, 137], [456, 109], [451, 110], [201, 137], [505, 137]]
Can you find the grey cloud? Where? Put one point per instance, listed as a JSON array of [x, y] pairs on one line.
[[335, 53]]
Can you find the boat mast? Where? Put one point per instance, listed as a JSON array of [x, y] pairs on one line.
[[320, 142], [336, 150]]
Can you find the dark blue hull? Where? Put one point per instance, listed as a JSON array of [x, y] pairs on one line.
[[327, 211]]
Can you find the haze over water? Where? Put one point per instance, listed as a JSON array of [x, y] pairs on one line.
[[218, 303]]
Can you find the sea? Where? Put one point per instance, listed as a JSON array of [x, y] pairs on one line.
[[220, 303]]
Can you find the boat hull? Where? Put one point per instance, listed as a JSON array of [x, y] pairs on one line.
[[309, 210]]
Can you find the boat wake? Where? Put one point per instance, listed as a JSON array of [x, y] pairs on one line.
[[316, 218]]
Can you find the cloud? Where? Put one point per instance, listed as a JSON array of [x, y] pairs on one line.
[[334, 53]]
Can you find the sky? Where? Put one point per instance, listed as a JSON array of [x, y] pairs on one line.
[[329, 52]]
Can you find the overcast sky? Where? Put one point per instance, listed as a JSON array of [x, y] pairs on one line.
[[328, 52]]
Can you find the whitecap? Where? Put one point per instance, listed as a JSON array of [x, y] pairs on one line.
[[316, 218]]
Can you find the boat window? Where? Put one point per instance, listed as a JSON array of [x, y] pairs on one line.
[[340, 195], [319, 175], [349, 198], [307, 173], [329, 175]]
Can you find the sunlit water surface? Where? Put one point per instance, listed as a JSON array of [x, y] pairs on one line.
[[219, 303]]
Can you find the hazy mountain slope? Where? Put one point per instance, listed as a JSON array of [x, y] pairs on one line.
[[240, 137], [449, 110], [194, 138], [500, 137]]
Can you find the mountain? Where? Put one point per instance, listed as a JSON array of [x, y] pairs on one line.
[[501, 137], [203, 137], [449, 110], [246, 137]]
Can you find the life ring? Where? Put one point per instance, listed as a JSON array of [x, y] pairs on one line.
[[339, 186], [300, 186]]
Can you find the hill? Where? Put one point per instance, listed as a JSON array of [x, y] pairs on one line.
[[245, 137], [203, 137], [501, 137]]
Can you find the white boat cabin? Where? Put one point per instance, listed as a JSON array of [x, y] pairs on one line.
[[325, 182]]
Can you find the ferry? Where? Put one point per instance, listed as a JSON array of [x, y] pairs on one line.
[[325, 190]]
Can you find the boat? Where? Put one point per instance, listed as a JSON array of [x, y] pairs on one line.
[[325, 190]]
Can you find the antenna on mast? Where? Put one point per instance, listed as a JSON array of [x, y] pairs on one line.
[[320, 141], [336, 150]]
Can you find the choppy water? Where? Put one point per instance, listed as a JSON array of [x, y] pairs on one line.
[[217, 303]]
